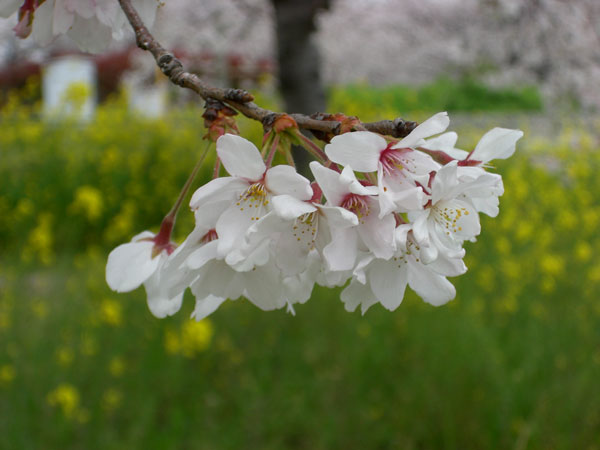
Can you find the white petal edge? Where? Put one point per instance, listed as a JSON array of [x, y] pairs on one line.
[[284, 179], [206, 306], [129, 265], [359, 149], [289, 208], [498, 143], [434, 125], [240, 157]]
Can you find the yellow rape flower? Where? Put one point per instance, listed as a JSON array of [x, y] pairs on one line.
[[194, 337], [111, 312], [89, 202], [7, 374], [583, 251], [41, 239], [172, 342], [594, 273], [65, 397], [552, 265]]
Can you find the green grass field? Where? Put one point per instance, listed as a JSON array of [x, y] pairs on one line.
[[513, 362]]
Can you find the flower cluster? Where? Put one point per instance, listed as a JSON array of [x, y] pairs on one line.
[[269, 234], [91, 24]]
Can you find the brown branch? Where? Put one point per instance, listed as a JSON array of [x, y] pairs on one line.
[[239, 99]]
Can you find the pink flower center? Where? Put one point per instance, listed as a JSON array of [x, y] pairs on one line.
[[210, 236], [391, 161], [358, 204]]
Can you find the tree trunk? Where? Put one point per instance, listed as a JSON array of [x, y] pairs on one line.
[[299, 65]]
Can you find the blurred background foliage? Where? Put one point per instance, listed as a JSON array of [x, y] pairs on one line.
[[444, 94], [512, 362]]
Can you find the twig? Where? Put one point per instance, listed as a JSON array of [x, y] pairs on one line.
[[239, 99]]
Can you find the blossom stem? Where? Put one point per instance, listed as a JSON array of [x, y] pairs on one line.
[[289, 158], [438, 155], [313, 148], [272, 151], [331, 165], [217, 167], [166, 227], [267, 139], [188, 183]]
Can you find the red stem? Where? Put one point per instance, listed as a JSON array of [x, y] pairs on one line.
[[313, 148], [163, 238], [272, 151]]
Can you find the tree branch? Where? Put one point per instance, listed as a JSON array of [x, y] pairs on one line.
[[239, 99]]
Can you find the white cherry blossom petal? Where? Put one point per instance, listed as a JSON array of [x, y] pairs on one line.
[[84, 8], [206, 306], [449, 267], [338, 217], [378, 234], [498, 143], [432, 288], [288, 207], [489, 206], [264, 288], [458, 218], [240, 157], [348, 178], [359, 149], [217, 278], [233, 224], [284, 179], [329, 182], [420, 227], [298, 289], [42, 32], [434, 125], [220, 189], [444, 142], [90, 35], [129, 265], [357, 294], [244, 259], [202, 255], [160, 303], [62, 16], [429, 254], [340, 253], [9, 7], [359, 273], [388, 281]]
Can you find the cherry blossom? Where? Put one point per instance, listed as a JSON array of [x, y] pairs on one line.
[[267, 234], [245, 197], [372, 232], [451, 217], [384, 281], [401, 169], [91, 24], [140, 262]]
